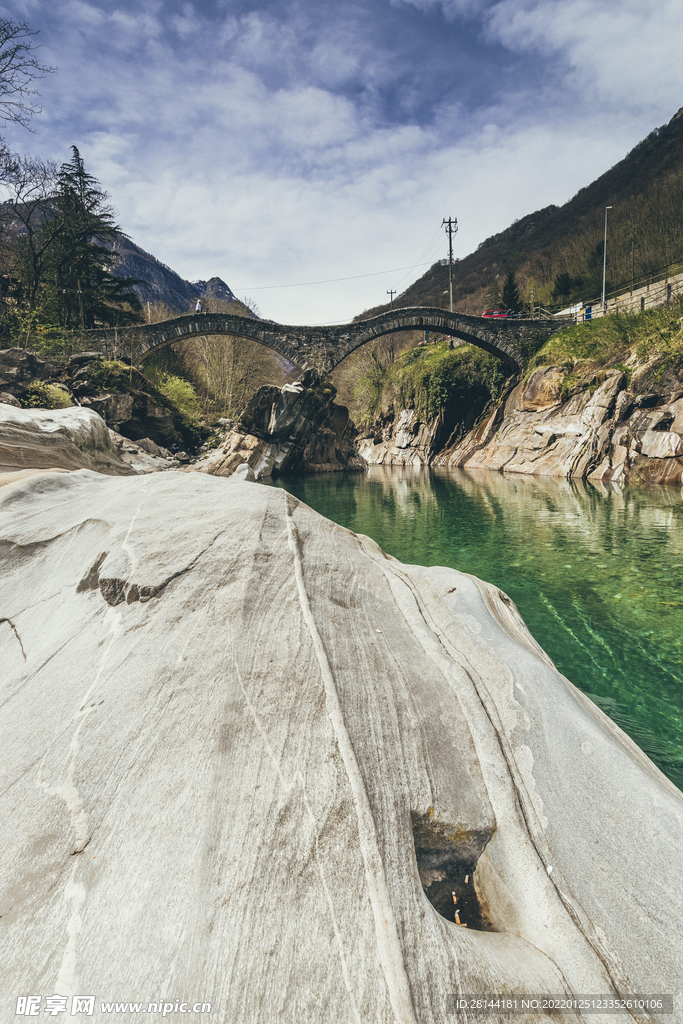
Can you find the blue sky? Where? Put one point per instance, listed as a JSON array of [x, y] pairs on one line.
[[280, 143]]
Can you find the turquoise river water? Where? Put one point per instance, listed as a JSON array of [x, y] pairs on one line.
[[596, 572]]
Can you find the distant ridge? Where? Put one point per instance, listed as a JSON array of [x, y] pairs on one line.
[[158, 282]]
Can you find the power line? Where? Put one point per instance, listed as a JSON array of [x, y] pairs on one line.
[[331, 280], [427, 251]]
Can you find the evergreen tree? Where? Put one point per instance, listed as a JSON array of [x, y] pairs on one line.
[[562, 288], [511, 296], [80, 289]]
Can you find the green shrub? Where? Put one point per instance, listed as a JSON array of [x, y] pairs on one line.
[[40, 395], [180, 392], [603, 341], [108, 375], [569, 382]]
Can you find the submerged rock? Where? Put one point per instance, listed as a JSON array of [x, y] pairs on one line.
[[248, 759]]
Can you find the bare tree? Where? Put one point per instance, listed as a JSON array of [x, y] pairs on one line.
[[229, 370], [28, 224], [19, 69]]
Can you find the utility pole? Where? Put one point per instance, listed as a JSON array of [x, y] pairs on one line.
[[604, 262], [391, 293], [451, 229]]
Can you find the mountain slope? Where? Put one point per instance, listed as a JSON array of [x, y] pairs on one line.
[[158, 283], [645, 191]]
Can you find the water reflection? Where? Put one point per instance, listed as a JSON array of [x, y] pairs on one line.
[[596, 571]]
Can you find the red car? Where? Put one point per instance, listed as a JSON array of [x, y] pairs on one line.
[[499, 314]]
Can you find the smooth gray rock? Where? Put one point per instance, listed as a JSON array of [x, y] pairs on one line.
[[241, 746], [143, 458], [245, 472], [71, 438]]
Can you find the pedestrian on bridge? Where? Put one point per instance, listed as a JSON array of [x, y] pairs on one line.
[[198, 306]]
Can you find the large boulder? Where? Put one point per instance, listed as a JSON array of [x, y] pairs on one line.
[[295, 428], [249, 760], [136, 416], [70, 438], [126, 400]]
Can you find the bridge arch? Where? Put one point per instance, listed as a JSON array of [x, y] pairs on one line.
[[327, 347]]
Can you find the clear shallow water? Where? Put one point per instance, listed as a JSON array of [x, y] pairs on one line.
[[597, 573]]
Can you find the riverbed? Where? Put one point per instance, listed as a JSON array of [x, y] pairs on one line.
[[596, 572]]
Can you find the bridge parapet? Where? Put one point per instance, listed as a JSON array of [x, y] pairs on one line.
[[327, 347]]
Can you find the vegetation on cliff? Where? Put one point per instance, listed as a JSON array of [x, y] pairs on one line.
[[648, 346], [455, 385], [429, 378]]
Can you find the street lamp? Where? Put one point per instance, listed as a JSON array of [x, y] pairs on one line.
[[604, 262]]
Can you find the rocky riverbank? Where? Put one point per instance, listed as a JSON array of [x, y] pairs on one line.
[[598, 428], [123, 397], [295, 428]]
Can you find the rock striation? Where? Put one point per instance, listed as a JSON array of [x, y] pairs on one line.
[[248, 759], [295, 428], [600, 431]]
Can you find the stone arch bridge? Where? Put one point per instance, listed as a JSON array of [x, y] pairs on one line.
[[326, 347]]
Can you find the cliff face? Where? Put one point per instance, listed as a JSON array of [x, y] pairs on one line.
[[247, 759], [158, 283], [602, 431]]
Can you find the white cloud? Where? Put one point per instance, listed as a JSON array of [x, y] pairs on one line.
[[452, 9], [260, 146], [620, 51]]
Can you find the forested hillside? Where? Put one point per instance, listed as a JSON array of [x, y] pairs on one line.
[[558, 251]]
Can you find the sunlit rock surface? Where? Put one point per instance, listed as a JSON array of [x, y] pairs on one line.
[[72, 438], [246, 756], [601, 431]]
